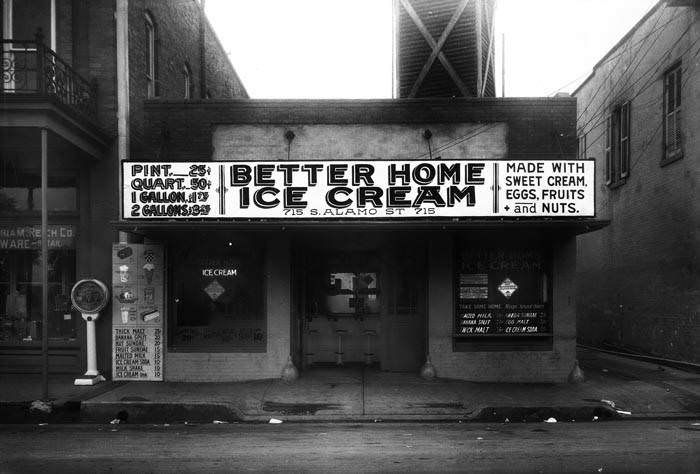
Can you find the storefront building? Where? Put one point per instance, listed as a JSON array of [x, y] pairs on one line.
[[75, 74], [351, 232]]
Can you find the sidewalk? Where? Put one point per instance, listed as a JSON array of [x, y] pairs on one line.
[[638, 390]]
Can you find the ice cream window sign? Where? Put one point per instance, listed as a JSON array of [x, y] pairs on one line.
[[219, 272]]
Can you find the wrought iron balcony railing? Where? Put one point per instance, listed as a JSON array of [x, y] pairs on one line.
[[30, 67]]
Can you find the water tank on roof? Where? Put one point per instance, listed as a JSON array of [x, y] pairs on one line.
[[442, 48]]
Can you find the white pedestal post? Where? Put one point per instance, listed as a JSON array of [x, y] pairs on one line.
[[92, 375]]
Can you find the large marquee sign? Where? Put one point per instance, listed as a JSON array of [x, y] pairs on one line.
[[358, 189]]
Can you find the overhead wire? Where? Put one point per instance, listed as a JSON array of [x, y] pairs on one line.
[[614, 56], [650, 138], [654, 29], [650, 76], [622, 76]]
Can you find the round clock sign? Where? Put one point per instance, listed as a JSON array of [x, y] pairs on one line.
[[89, 296]]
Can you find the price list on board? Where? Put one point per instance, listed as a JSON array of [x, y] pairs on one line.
[[502, 292], [175, 190]]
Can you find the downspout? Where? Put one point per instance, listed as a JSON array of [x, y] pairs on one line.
[[122, 17], [202, 52]]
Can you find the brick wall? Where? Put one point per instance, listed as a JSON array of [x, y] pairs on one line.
[[222, 80], [182, 130], [638, 278], [99, 62], [64, 30], [177, 24]]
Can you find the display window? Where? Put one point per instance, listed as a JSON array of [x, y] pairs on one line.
[[21, 260], [21, 193], [21, 294], [502, 292], [219, 297]]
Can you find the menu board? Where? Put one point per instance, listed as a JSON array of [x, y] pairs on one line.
[[502, 292], [138, 274]]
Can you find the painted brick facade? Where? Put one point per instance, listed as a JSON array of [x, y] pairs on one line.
[[182, 130], [522, 128], [178, 45], [639, 279]]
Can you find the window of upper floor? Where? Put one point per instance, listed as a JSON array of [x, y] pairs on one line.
[[582, 146], [20, 193], [188, 84], [673, 86], [151, 56], [21, 19], [617, 145]]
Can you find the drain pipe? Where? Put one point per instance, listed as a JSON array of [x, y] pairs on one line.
[[122, 18]]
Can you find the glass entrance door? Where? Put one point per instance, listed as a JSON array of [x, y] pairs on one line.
[[360, 299]]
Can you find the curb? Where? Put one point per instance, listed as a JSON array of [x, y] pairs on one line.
[[206, 413]]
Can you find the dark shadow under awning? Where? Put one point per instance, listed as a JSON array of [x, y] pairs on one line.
[[565, 226]]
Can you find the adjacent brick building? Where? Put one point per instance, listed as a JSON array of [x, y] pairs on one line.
[[63, 83], [638, 116]]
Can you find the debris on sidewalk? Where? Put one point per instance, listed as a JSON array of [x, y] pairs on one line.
[[42, 424], [624, 412], [115, 421], [595, 418], [551, 419], [608, 402], [274, 421], [40, 406], [219, 422]]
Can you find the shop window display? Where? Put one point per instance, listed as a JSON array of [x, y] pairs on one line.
[[21, 293], [502, 292], [219, 298]]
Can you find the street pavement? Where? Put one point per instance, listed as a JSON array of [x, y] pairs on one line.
[[614, 446], [615, 387]]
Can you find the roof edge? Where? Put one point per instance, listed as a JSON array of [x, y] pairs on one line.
[[620, 42]]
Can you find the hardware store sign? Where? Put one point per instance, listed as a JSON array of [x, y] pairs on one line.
[[358, 189]]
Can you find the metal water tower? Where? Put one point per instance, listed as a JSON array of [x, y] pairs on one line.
[[443, 48]]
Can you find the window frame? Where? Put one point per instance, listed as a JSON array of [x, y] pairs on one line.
[[248, 250], [66, 279], [618, 132], [187, 82], [674, 73], [151, 56], [582, 146]]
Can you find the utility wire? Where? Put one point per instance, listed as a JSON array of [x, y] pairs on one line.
[[649, 75], [650, 138], [624, 50], [622, 75], [616, 55], [649, 83]]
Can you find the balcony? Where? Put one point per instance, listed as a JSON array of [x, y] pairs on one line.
[[30, 69]]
